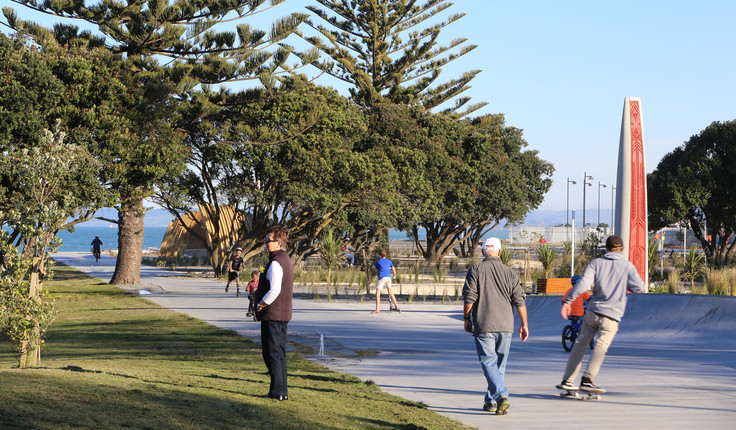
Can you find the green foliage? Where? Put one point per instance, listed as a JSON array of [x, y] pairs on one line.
[[694, 183], [184, 34], [506, 256], [693, 266], [378, 47], [331, 254], [41, 190], [307, 181], [455, 176], [653, 257], [438, 273], [24, 317], [548, 256]]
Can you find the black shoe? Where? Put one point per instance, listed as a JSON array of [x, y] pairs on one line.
[[503, 406], [249, 314], [587, 386], [567, 385], [237, 294], [489, 407], [227, 287], [280, 397]]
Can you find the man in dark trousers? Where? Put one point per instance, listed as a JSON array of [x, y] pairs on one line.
[[491, 292], [613, 276], [274, 310], [96, 247]]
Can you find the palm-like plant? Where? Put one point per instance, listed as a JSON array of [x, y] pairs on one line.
[[505, 256], [694, 265], [653, 256], [547, 255], [331, 254]]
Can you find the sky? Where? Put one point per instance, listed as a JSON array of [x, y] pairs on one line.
[[561, 70]]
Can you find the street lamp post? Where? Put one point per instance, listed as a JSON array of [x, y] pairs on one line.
[[613, 193], [585, 184], [567, 212], [599, 201]]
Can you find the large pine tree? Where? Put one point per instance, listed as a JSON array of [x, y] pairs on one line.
[[170, 47], [380, 49]]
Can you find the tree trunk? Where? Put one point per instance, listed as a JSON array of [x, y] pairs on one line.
[[130, 242]]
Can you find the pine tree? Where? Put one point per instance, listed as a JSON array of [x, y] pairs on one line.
[[170, 47], [375, 46]]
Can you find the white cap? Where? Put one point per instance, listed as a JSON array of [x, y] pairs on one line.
[[492, 242]]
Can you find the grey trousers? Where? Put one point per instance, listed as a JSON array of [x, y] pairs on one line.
[[592, 324]]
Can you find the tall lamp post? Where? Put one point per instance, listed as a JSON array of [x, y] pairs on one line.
[[599, 200], [613, 193], [567, 212], [585, 184]]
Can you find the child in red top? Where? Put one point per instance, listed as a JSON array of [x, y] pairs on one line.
[[578, 309], [251, 289]]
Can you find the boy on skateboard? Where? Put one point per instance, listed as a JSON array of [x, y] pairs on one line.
[[613, 276]]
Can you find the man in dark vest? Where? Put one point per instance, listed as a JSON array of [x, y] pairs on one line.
[[274, 310]]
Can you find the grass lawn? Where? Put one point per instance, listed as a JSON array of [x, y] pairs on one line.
[[115, 360]]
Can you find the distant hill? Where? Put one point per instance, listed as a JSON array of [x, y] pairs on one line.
[[551, 218], [545, 218]]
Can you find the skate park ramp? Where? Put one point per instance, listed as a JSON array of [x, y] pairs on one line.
[[671, 366]]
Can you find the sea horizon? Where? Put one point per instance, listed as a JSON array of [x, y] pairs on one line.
[[80, 240]]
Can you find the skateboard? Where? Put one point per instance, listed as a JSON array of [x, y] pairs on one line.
[[393, 308], [587, 394]]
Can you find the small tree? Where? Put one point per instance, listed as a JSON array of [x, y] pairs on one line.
[[331, 254], [653, 257], [505, 256], [43, 187], [694, 265], [547, 255]]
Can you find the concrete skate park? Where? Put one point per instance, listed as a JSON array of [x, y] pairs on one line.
[[671, 366]]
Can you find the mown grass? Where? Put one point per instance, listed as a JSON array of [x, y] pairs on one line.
[[114, 360]]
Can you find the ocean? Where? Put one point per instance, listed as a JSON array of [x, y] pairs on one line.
[[80, 240]]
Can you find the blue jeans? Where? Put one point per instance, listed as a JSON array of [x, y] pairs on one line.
[[493, 351]]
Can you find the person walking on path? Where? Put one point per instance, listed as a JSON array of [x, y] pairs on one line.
[[491, 292], [274, 298], [386, 272], [613, 277], [233, 270]]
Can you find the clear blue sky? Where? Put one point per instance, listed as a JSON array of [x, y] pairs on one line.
[[561, 70]]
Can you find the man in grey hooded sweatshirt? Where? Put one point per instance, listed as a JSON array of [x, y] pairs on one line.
[[613, 276]]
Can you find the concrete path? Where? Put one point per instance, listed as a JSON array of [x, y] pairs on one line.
[[672, 365]]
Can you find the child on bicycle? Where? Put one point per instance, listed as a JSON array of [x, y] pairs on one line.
[[251, 289], [578, 306]]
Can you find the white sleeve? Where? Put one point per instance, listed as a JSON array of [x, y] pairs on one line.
[[274, 275]]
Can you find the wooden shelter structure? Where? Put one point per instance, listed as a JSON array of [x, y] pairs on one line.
[[201, 232]]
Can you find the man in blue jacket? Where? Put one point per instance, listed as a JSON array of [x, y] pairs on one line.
[[613, 276]]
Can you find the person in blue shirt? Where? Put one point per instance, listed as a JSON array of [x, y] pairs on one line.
[[386, 272]]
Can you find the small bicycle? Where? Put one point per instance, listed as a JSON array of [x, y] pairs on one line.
[[571, 331]]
